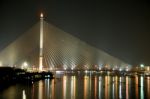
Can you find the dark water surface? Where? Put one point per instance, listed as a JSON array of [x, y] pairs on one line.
[[82, 87]]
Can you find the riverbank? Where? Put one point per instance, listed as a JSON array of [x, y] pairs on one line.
[[9, 76]]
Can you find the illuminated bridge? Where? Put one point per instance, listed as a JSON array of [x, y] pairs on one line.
[[60, 51]]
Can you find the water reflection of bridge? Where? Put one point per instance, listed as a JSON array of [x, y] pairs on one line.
[[84, 87], [60, 51]]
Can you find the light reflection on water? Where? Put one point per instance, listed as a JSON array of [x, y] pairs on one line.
[[148, 87], [137, 87], [127, 87], [40, 94], [142, 88], [82, 87], [23, 94]]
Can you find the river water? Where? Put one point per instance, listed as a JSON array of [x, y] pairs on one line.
[[68, 86]]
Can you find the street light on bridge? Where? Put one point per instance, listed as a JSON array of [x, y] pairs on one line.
[[142, 65], [25, 65]]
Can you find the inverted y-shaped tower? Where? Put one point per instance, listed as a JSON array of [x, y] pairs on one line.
[[62, 50], [41, 43]]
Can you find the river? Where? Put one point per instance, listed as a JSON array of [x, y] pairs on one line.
[[77, 86]]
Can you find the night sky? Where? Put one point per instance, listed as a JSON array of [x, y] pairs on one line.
[[120, 28]]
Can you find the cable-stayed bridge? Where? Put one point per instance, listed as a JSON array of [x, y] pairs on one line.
[[60, 51]]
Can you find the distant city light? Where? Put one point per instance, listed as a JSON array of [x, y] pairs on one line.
[[142, 65], [72, 68], [41, 15], [148, 68], [86, 71], [127, 68], [99, 68], [25, 65], [59, 72], [65, 68], [120, 69]]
